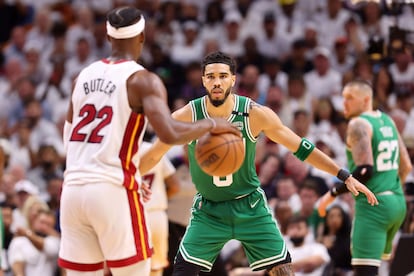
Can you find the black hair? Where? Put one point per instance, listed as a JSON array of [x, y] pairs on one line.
[[296, 219], [219, 57], [124, 16], [345, 228]]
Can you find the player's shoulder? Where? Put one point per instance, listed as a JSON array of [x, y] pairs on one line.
[[257, 110], [184, 114]]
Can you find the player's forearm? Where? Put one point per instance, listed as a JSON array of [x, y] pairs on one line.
[[183, 132], [152, 156], [320, 160], [405, 166]]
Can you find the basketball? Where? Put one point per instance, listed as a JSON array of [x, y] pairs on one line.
[[220, 155]]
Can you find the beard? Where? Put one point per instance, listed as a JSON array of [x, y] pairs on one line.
[[217, 103]]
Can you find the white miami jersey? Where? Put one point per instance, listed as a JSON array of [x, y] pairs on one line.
[[106, 134], [155, 178]]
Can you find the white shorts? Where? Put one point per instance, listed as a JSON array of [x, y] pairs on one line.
[[158, 222], [102, 222]]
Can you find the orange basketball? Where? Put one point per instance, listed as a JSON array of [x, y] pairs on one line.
[[220, 155]]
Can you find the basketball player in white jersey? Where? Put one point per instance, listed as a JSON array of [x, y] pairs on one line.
[[163, 184], [102, 216]]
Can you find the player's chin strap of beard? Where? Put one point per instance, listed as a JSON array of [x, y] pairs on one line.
[[127, 31]]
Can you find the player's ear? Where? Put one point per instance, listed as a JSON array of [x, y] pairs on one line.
[[233, 80]]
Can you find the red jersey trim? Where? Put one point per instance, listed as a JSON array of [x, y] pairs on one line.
[[129, 148], [139, 225], [107, 61], [80, 267], [124, 262]]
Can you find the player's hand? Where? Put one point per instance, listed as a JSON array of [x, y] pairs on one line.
[[324, 202], [146, 192], [224, 126], [355, 187]]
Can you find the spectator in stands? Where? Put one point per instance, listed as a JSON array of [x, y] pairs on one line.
[[34, 251], [248, 85], [283, 213], [81, 59], [336, 237], [40, 31], [286, 190], [297, 62], [309, 193], [272, 75], [341, 60], [47, 167], [271, 41], [297, 98], [270, 170], [190, 48], [251, 55], [323, 81], [309, 258], [14, 48], [26, 106], [24, 190], [231, 41], [82, 28], [192, 86], [330, 23]]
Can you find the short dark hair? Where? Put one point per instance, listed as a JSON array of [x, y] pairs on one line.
[[219, 57], [123, 16], [297, 219]]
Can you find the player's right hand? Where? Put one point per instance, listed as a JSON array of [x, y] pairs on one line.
[[355, 187], [224, 126], [324, 202]]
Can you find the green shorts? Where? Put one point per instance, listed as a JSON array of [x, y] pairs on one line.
[[374, 228], [248, 220]]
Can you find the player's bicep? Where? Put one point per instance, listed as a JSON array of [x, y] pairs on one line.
[[359, 140], [275, 130]]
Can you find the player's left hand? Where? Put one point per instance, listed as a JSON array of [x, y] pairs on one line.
[[146, 192], [354, 186]]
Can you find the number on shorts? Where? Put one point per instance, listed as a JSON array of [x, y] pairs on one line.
[[387, 158], [89, 114]]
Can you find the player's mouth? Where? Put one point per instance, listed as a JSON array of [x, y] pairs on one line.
[[217, 92]]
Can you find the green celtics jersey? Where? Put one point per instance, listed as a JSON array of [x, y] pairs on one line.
[[385, 152], [242, 182]]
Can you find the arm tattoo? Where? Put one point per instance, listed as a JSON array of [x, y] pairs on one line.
[[254, 105], [282, 270], [360, 141]]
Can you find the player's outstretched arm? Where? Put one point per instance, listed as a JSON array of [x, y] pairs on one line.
[[305, 150], [147, 93]]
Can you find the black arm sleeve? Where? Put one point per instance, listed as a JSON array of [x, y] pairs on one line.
[[363, 173]]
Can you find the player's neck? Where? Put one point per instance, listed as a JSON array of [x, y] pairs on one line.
[[224, 110], [121, 55]]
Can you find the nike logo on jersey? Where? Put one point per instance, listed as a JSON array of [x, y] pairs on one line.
[[254, 204]]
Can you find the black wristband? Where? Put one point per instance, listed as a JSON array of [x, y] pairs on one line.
[[343, 175], [338, 189]]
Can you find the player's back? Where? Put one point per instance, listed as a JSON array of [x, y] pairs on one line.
[[105, 133]]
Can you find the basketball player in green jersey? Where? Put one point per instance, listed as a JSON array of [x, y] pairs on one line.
[[378, 158], [233, 206]]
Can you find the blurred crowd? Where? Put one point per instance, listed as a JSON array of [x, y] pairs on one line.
[[293, 56]]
